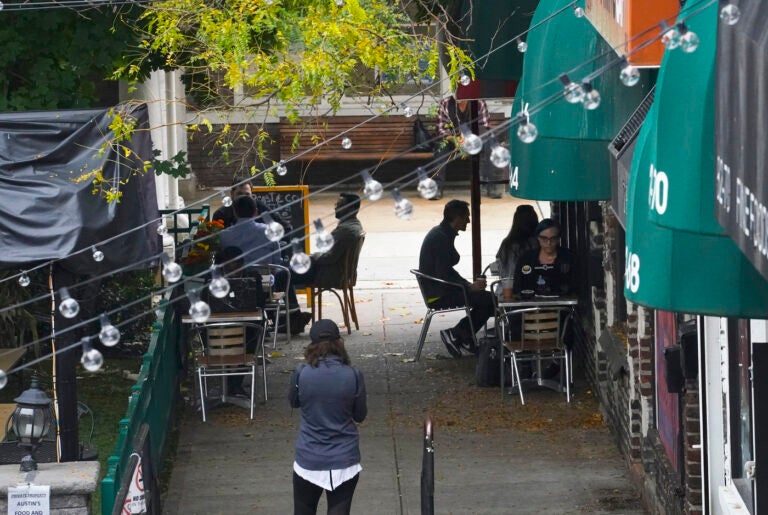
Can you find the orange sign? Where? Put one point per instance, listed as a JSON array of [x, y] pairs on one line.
[[632, 27]]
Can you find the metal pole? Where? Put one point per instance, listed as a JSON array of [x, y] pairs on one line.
[[477, 265], [428, 472]]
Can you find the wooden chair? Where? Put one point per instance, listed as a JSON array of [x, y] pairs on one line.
[[541, 339], [345, 280], [422, 278], [224, 354]]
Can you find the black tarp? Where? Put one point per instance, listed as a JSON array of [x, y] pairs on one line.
[[741, 131], [48, 208]]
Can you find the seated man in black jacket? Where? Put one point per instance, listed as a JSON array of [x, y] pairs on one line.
[[437, 258]]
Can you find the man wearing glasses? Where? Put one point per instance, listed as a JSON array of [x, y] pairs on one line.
[[547, 270]]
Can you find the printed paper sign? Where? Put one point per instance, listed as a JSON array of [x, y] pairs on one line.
[[29, 500]]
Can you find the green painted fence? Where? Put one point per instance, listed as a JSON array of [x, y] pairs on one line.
[[151, 402]]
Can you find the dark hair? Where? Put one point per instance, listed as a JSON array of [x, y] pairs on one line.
[[524, 224], [545, 224], [237, 182], [349, 207], [320, 349], [245, 207], [454, 209]]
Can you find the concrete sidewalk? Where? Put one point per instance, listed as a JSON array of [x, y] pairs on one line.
[[490, 456]]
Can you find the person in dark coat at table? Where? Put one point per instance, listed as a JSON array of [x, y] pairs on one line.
[[437, 258], [547, 270], [228, 215], [332, 397]]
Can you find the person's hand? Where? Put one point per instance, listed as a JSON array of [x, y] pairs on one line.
[[479, 284]]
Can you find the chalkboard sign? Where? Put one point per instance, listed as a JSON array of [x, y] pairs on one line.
[[291, 205]]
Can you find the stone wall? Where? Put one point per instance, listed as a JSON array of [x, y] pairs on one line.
[[72, 485]]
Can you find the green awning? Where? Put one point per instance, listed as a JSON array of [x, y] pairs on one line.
[[685, 162], [569, 160], [487, 28], [678, 270]]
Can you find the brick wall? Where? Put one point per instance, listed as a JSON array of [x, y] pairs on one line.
[[692, 446]]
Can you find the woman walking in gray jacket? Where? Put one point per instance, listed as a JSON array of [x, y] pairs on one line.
[[332, 398]]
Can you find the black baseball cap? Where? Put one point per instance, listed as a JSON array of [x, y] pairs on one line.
[[324, 329]]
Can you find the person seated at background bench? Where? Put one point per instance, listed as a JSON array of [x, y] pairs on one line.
[[437, 258], [327, 266]]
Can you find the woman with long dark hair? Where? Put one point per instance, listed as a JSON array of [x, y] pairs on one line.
[[332, 398], [521, 239]]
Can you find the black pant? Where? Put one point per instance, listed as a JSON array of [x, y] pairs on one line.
[[306, 495], [481, 304]]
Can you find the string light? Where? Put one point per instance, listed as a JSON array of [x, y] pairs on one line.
[[109, 334], [407, 111], [373, 188], [427, 186], [281, 168], [526, 131], [500, 157], [3, 379], [339, 3], [571, 91], [219, 285], [68, 306], [162, 229], [24, 280], [98, 255], [403, 206], [199, 310], [522, 46], [273, 230], [92, 360], [346, 143], [578, 11], [689, 41], [464, 79], [299, 262], [171, 270], [671, 36], [323, 239], [629, 75], [591, 96], [471, 143], [226, 200], [730, 14]]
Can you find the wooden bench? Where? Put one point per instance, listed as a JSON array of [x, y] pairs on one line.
[[386, 137]]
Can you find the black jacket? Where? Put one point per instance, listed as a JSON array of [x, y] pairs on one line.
[[437, 258], [554, 279]]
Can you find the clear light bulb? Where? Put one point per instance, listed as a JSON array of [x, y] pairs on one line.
[[591, 97], [162, 230], [339, 3], [269, 2], [730, 14], [299, 262], [98, 255], [578, 11], [92, 360], [219, 285], [471, 143], [629, 75], [522, 46], [465, 79], [527, 132], [68, 306], [689, 42], [323, 239], [281, 168], [24, 280], [273, 231], [199, 310], [500, 157], [408, 111], [226, 200], [403, 206], [3, 379], [171, 271], [427, 186], [373, 188], [671, 38], [346, 143], [109, 334]]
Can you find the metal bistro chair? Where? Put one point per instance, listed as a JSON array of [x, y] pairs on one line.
[[224, 354], [541, 338], [276, 302], [345, 280], [421, 278]]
